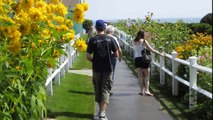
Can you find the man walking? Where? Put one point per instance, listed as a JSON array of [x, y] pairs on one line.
[[110, 31], [99, 53]]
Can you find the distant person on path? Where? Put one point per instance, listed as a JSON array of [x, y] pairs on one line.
[[110, 31], [99, 53], [143, 69]]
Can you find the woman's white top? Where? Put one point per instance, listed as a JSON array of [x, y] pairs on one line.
[[137, 50]]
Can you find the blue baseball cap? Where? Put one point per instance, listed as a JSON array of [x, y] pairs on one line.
[[100, 24]]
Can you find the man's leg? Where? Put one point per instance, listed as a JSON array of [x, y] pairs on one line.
[[106, 88], [114, 61]]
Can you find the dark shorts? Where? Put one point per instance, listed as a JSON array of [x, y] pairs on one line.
[[140, 64]]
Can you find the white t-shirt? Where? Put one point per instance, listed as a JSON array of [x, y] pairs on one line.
[[137, 50], [116, 40]]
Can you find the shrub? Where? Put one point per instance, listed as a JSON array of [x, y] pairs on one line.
[[207, 19]]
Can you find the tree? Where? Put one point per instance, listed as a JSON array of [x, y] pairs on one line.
[[87, 24], [207, 19]]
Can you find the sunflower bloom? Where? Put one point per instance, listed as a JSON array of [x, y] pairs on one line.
[[69, 36], [46, 33], [22, 17], [56, 53], [59, 19], [79, 8], [69, 23], [36, 14], [26, 4], [85, 6], [41, 5], [61, 28], [80, 45], [61, 9], [54, 1], [78, 17], [51, 8]]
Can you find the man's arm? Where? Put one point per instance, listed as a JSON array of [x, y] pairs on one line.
[[89, 57], [119, 49], [119, 54]]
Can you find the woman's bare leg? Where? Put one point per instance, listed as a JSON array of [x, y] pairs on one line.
[[146, 80], [140, 79]]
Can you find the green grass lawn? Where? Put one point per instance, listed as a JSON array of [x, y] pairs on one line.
[[81, 62], [74, 98]]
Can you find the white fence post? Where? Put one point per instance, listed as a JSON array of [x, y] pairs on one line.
[[152, 65], [57, 77], [67, 57], [62, 72], [174, 71], [162, 73], [71, 57], [49, 88], [193, 82]]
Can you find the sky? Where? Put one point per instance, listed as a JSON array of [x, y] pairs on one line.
[[124, 9]]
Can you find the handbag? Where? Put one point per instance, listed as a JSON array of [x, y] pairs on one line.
[[146, 55]]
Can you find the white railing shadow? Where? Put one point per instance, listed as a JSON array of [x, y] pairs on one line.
[[64, 63], [191, 63]]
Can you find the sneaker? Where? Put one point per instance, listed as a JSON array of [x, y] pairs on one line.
[[103, 118]]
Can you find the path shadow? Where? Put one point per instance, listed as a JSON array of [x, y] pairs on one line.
[[71, 115], [122, 94], [81, 92]]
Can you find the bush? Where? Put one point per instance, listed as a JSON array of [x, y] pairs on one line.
[[201, 28], [207, 19], [87, 24]]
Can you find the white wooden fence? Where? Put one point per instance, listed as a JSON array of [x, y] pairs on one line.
[[125, 42], [64, 63]]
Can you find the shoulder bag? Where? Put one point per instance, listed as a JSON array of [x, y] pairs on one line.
[[146, 55]]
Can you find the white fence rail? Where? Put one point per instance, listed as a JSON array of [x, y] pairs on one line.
[[125, 41], [64, 63]]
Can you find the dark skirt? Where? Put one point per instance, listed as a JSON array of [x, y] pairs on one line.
[[140, 64]]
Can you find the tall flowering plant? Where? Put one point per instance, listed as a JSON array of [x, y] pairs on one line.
[[32, 33], [199, 45], [80, 45], [194, 45]]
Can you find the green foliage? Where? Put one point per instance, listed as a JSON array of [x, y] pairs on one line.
[[201, 28], [166, 37], [170, 35], [207, 19], [87, 24], [22, 77], [160, 34]]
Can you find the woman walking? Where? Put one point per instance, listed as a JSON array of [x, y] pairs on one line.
[[143, 69]]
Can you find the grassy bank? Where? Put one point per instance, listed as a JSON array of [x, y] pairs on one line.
[[74, 98]]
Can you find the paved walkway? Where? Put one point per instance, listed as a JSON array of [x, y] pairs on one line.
[[125, 103]]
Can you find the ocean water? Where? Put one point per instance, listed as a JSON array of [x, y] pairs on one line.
[[173, 20], [170, 20]]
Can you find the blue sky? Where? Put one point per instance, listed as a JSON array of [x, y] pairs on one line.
[[123, 9]]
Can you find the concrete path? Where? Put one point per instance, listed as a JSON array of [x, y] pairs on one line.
[[87, 72], [125, 103]]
